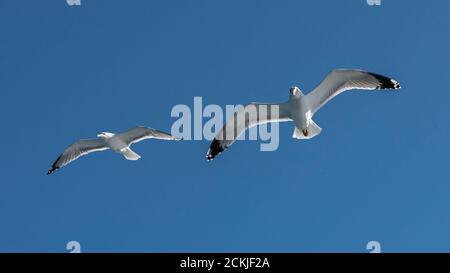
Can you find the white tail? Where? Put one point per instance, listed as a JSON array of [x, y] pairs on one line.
[[129, 154], [313, 130]]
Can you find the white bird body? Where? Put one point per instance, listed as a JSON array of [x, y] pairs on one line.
[[300, 108], [113, 142], [119, 143]]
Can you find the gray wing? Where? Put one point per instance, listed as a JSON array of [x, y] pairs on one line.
[[251, 115], [79, 148], [341, 80], [140, 133]]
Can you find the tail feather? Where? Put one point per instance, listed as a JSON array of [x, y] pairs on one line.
[[130, 155], [312, 131]]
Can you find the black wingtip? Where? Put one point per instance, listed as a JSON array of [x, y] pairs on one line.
[[214, 149], [54, 167], [52, 170], [386, 83]]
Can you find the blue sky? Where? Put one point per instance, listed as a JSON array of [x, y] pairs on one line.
[[378, 171]]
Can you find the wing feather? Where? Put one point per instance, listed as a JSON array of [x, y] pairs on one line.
[[341, 80], [140, 133], [76, 150], [242, 120]]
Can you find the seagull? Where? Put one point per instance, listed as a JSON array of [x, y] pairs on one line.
[[300, 108], [119, 143]]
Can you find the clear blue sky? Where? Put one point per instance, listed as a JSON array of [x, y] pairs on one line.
[[378, 171]]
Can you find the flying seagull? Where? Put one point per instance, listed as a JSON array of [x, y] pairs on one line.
[[119, 143], [300, 108]]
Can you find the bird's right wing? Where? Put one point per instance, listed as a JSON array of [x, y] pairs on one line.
[[140, 133], [79, 148], [251, 115]]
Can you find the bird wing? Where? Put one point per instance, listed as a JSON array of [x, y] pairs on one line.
[[341, 80], [140, 133], [78, 149], [244, 119]]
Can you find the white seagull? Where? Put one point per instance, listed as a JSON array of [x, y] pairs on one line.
[[119, 143], [300, 108]]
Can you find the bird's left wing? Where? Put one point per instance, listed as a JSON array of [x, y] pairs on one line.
[[140, 133], [341, 80]]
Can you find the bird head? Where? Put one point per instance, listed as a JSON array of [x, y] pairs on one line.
[[295, 91], [105, 135]]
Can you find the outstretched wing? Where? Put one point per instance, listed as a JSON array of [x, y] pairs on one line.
[[251, 115], [341, 80], [76, 150], [140, 133]]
